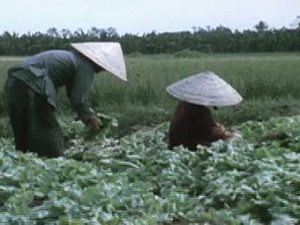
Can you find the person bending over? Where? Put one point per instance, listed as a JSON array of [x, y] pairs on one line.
[[31, 89]]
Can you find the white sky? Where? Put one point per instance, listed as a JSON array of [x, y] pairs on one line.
[[144, 16]]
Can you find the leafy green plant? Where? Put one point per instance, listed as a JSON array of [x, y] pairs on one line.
[[137, 180]]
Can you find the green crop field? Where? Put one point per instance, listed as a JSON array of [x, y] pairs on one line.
[[126, 175], [269, 84]]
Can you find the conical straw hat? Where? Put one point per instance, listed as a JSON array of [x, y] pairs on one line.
[[205, 89], [108, 55]]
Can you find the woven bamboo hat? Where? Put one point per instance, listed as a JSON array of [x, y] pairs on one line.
[[206, 89], [108, 55]]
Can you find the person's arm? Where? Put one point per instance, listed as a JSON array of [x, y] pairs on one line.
[[205, 129], [77, 92]]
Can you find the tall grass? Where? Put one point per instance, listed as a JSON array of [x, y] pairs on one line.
[[254, 77], [269, 84]]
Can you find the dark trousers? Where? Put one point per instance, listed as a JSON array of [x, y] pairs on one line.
[[33, 120]]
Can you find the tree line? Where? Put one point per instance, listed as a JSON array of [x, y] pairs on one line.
[[208, 40]]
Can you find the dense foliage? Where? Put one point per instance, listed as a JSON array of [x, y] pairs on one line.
[[136, 180], [217, 40]]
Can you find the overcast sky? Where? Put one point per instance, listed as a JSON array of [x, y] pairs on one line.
[[144, 16]]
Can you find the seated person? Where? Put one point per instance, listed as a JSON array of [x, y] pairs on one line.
[[192, 122]]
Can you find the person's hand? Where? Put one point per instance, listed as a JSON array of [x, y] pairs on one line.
[[93, 122], [221, 127], [221, 131], [236, 136]]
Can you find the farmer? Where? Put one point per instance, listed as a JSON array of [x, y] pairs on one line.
[[31, 89], [192, 122]]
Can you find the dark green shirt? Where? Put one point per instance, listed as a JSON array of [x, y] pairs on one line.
[[52, 69]]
